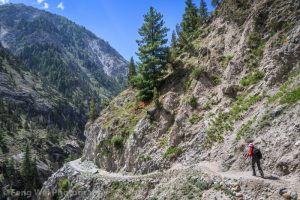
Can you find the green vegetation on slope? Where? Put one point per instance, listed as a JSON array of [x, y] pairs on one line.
[[223, 121], [286, 94]]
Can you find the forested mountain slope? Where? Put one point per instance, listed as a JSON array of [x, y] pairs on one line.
[[51, 69], [234, 79]]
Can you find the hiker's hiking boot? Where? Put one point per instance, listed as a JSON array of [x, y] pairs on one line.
[[262, 173]]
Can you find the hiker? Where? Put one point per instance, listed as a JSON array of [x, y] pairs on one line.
[[256, 156]]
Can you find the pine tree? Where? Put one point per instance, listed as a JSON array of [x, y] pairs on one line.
[[92, 111], [174, 47], [153, 53], [174, 40], [203, 13], [34, 171], [131, 72], [190, 18], [26, 170]]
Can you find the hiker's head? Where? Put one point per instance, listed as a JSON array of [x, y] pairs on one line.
[[251, 145]]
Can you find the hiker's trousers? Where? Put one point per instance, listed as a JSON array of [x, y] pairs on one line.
[[257, 161]]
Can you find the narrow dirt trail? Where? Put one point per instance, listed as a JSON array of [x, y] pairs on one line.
[[211, 168]]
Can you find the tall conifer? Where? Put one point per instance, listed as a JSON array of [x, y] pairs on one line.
[[152, 52]]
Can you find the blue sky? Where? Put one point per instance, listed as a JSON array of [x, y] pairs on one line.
[[116, 21]]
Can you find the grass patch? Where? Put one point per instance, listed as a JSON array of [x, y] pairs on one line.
[[245, 129], [227, 191], [291, 97], [282, 91], [186, 84], [207, 105], [226, 59], [197, 72], [123, 119], [295, 74], [164, 141], [216, 79], [285, 94], [194, 187], [173, 152], [253, 78], [194, 118], [257, 46], [193, 102]]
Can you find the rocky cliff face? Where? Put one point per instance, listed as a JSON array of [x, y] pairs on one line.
[[239, 84]]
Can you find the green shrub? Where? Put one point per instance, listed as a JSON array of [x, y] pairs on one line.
[[291, 97], [226, 59], [164, 141], [257, 46], [223, 121], [284, 92], [253, 78], [172, 152], [197, 72], [296, 73], [104, 147], [64, 185], [186, 84], [194, 118], [227, 191], [207, 105], [193, 102], [245, 129], [117, 141], [216, 79]]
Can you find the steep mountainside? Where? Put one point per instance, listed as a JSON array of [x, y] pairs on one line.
[[66, 55], [31, 116], [50, 70], [240, 83]]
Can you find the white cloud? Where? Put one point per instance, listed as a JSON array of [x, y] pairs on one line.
[[61, 6], [39, 1], [46, 5], [4, 1]]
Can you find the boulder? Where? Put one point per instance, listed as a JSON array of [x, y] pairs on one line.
[[230, 90], [294, 195], [151, 111], [239, 194], [287, 195], [283, 165], [282, 191], [278, 110]]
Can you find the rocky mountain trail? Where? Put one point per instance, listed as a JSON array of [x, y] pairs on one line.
[[236, 183]]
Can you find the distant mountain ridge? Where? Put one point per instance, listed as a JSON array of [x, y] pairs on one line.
[[27, 32], [50, 70]]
